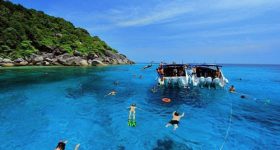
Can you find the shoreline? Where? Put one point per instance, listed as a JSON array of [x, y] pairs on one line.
[[65, 59], [60, 66]]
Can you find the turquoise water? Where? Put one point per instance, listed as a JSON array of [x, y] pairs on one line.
[[40, 106]]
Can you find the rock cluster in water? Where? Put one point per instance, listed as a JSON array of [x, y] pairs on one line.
[[56, 57]]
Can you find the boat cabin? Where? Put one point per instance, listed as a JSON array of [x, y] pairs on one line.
[[174, 70], [212, 71]]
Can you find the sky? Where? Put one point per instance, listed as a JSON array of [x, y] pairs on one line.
[[189, 31]]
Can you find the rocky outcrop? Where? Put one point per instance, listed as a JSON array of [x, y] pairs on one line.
[[20, 62], [6, 62], [56, 56], [96, 62]]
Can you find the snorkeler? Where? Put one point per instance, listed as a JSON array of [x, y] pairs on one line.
[[148, 66], [132, 112], [131, 116], [61, 146], [154, 89], [175, 120], [113, 93], [116, 83], [232, 89]]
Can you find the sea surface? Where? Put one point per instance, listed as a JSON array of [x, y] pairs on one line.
[[39, 106]]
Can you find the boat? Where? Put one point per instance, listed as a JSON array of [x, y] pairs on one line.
[[191, 75], [172, 75], [207, 75]]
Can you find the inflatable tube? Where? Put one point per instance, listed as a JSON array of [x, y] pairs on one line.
[[166, 100]]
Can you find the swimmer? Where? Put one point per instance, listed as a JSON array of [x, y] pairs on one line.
[[132, 112], [116, 83], [77, 147], [113, 93], [61, 146], [175, 120], [148, 66], [232, 89], [267, 101], [154, 89]]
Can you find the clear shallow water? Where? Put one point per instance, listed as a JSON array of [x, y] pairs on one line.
[[40, 106]]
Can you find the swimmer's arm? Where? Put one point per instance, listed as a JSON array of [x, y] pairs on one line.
[[77, 146], [182, 115]]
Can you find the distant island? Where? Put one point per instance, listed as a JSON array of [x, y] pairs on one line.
[[30, 37]]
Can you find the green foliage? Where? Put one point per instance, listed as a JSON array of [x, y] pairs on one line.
[[25, 31], [24, 49]]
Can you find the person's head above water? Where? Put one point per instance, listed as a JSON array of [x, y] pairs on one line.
[[133, 105], [60, 146], [176, 113], [232, 86]]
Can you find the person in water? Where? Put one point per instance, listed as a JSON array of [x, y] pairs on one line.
[[132, 112], [116, 83], [148, 66], [242, 96], [175, 120], [232, 89], [218, 73], [62, 144], [113, 93], [160, 72], [154, 89]]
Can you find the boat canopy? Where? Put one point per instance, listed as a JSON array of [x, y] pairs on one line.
[[174, 65], [205, 65]]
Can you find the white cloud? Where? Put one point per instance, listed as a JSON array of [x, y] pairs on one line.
[[238, 4], [176, 13], [158, 14], [168, 11]]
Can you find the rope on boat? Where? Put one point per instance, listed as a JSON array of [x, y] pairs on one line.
[[228, 128]]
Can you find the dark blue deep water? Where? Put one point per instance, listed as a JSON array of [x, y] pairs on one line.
[[40, 106]]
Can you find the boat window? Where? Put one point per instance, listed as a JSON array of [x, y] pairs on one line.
[[174, 71], [207, 72]]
